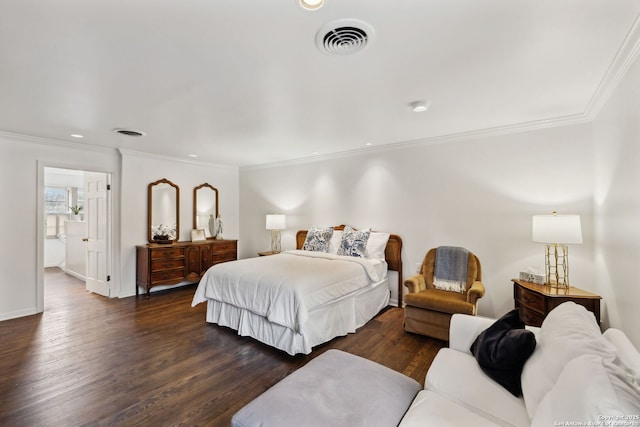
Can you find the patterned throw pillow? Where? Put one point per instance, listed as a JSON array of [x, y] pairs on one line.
[[318, 239], [354, 242]]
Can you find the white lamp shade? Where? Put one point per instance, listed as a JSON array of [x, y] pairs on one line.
[[276, 222], [560, 229]]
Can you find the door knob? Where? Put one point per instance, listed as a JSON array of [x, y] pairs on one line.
[[85, 239]]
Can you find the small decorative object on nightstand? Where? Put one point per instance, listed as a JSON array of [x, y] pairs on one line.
[[536, 301]]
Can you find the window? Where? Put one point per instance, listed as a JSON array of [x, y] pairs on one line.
[[57, 204]]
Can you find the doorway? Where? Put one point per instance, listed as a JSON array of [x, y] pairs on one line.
[[76, 231]]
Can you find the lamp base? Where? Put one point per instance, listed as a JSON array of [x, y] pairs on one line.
[[275, 241], [557, 266]]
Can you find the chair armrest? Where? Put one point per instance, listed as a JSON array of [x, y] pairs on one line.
[[415, 283], [475, 292]]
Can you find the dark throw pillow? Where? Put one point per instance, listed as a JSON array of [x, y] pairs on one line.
[[502, 349]]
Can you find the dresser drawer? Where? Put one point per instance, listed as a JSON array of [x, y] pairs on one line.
[[530, 299], [226, 246], [167, 253], [167, 275], [223, 257], [529, 317], [166, 264]]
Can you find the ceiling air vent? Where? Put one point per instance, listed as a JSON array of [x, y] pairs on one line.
[[344, 36], [129, 132]]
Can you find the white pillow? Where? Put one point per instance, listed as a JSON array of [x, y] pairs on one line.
[[336, 239], [567, 332], [376, 245], [583, 393]]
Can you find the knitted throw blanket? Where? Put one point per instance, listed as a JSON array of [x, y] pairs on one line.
[[450, 271]]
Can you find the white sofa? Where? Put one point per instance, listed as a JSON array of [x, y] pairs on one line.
[[576, 374]]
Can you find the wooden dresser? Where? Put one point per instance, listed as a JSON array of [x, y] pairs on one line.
[[158, 264], [536, 301]]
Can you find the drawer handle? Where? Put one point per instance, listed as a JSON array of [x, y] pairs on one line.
[[528, 299]]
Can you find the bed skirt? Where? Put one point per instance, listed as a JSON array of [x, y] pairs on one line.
[[326, 322]]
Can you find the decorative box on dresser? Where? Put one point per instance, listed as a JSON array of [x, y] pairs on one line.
[[536, 301], [160, 264]]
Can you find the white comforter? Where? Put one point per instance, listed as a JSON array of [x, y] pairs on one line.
[[284, 287]]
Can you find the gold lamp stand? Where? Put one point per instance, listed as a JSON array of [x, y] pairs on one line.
[[275, 241], [557, 265]]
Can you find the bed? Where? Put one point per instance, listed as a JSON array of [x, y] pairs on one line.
[[299, 299]]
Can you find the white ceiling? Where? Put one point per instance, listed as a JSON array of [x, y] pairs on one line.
[[241, 82]]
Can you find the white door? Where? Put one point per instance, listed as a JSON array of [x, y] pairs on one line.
[[96, 199]]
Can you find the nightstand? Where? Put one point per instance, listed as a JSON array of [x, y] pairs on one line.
[[267, 253], [536, 301]]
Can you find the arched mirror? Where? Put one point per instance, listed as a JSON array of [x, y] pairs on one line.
[[163, 211], [205, 209]]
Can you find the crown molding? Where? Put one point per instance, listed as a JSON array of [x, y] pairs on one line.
[[622, 61], [18, 137], [573, 119], [133, 153]]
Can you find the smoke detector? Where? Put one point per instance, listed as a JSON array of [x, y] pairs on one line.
[[344, 36]]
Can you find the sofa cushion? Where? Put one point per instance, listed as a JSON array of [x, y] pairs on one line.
[[334, 389], [582, 393], [442, 301], [502, 349], [457, 376], [625, 350], [432, 409], [568, 331]]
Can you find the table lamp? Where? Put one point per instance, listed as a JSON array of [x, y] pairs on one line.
[[557, 231], [275, 223]]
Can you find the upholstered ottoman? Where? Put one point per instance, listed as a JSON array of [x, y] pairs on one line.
[[334, 389]]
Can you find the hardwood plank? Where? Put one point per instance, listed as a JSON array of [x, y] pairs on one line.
[[92, 361]]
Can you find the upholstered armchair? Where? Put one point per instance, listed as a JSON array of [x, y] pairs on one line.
[[428, 310]]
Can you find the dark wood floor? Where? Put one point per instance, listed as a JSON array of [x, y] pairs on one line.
[[93, 361]]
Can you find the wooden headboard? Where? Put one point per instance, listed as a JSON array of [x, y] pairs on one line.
[[392, 254]]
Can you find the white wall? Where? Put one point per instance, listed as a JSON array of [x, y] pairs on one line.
[[20, 161], [479, 194], [138, 171], [616, 133]]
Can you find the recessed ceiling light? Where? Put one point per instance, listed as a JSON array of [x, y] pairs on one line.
[[193, 155], [77, 135], [311, 4], [419, 106], [368, 144], [315, 153], [129, 132]]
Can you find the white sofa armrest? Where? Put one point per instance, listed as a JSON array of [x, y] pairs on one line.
[[626, 350], [464, 329]]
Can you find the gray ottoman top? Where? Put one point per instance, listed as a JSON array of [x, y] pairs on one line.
[[334, 389]]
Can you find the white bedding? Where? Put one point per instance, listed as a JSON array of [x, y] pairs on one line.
[[310, 280]]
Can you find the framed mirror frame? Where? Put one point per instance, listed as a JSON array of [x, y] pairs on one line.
[[150, 210], [195, 204]]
